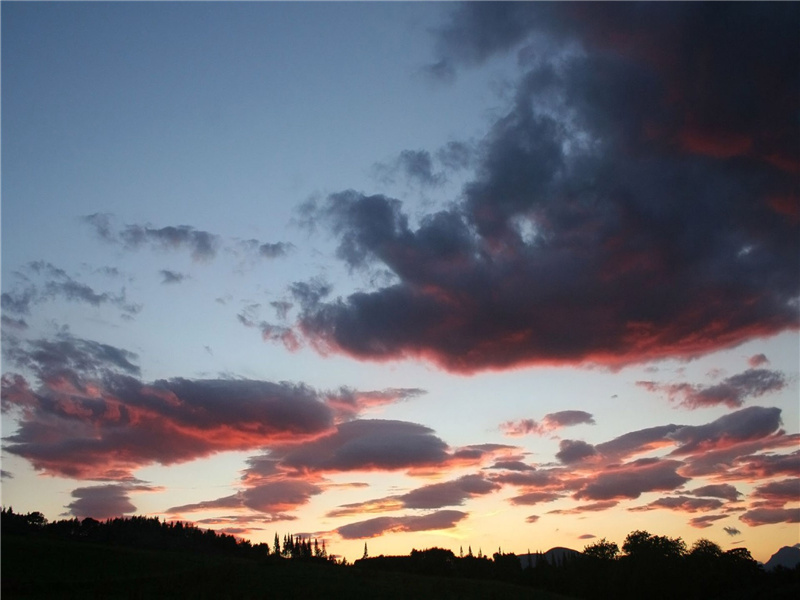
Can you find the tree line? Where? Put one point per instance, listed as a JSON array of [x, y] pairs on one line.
[[153, 533], [646, 565]]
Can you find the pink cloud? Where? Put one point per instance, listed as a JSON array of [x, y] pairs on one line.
[[443, 519], [770, 516], [550, 422], [705, 521], [632, 480], [682, 504]]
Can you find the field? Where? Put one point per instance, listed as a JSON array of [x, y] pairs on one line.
[[47, 568]]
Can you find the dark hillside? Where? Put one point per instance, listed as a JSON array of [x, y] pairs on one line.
[[40, 567]]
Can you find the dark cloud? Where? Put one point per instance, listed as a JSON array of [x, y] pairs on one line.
[[15, 324], [770, 516], [348, 402], [583, 508], [274, 250], [103, 501], [54, 284], [101, 223], [273, 497], [732, 531], [633, 479], [763, 466], [168, 276], [705, 521], [550, 422], [637, 442], [512, 465], [572, 451], [682, 504], [456, 155], [86, 414], [779, 492], [6, 474], [282, 308], [70, 358], [202, 244], [593, 230], [435, 495], [415, 166], [752, 423], [443, 519], [367, 445], [721, 490], [533, 498], [732, 391], [532, 519]]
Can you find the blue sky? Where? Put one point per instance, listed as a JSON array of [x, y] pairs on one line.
[[456, 249]]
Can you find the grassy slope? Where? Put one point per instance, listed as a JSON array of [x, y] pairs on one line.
[[42, 568]]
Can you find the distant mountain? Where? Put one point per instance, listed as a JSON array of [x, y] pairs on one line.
[[788, 556], [554, 556]]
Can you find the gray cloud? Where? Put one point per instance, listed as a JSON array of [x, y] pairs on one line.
[[171, 276], [732, 391], [721, 490], [443, 519], [104, 501]]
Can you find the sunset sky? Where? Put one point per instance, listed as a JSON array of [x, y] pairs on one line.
[[411, 274]]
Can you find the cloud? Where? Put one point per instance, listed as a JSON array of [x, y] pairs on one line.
[[171, 276], [415, 166], [770, 516], [572, 451], [273, 497], [104, 501], [87, 415], [757, 360], [733, 391], [435, 495], [201, 245], [732, 531], [348, 402], [583, 508], [748, 424], [779, 492], [550, 422], [632, 480], [591, 230], [682, 504], [443, 519], [364, 445], [274, 250], [722, 490], [533, 498], [55, 284], [705, 521], [532, 519]]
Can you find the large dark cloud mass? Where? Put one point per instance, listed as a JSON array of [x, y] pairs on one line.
[[638, 200]]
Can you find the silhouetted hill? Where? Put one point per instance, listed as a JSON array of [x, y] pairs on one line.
[[555, 556], [788, 557], [39, 567]]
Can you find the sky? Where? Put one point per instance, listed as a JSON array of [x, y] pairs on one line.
[[473, 276]]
